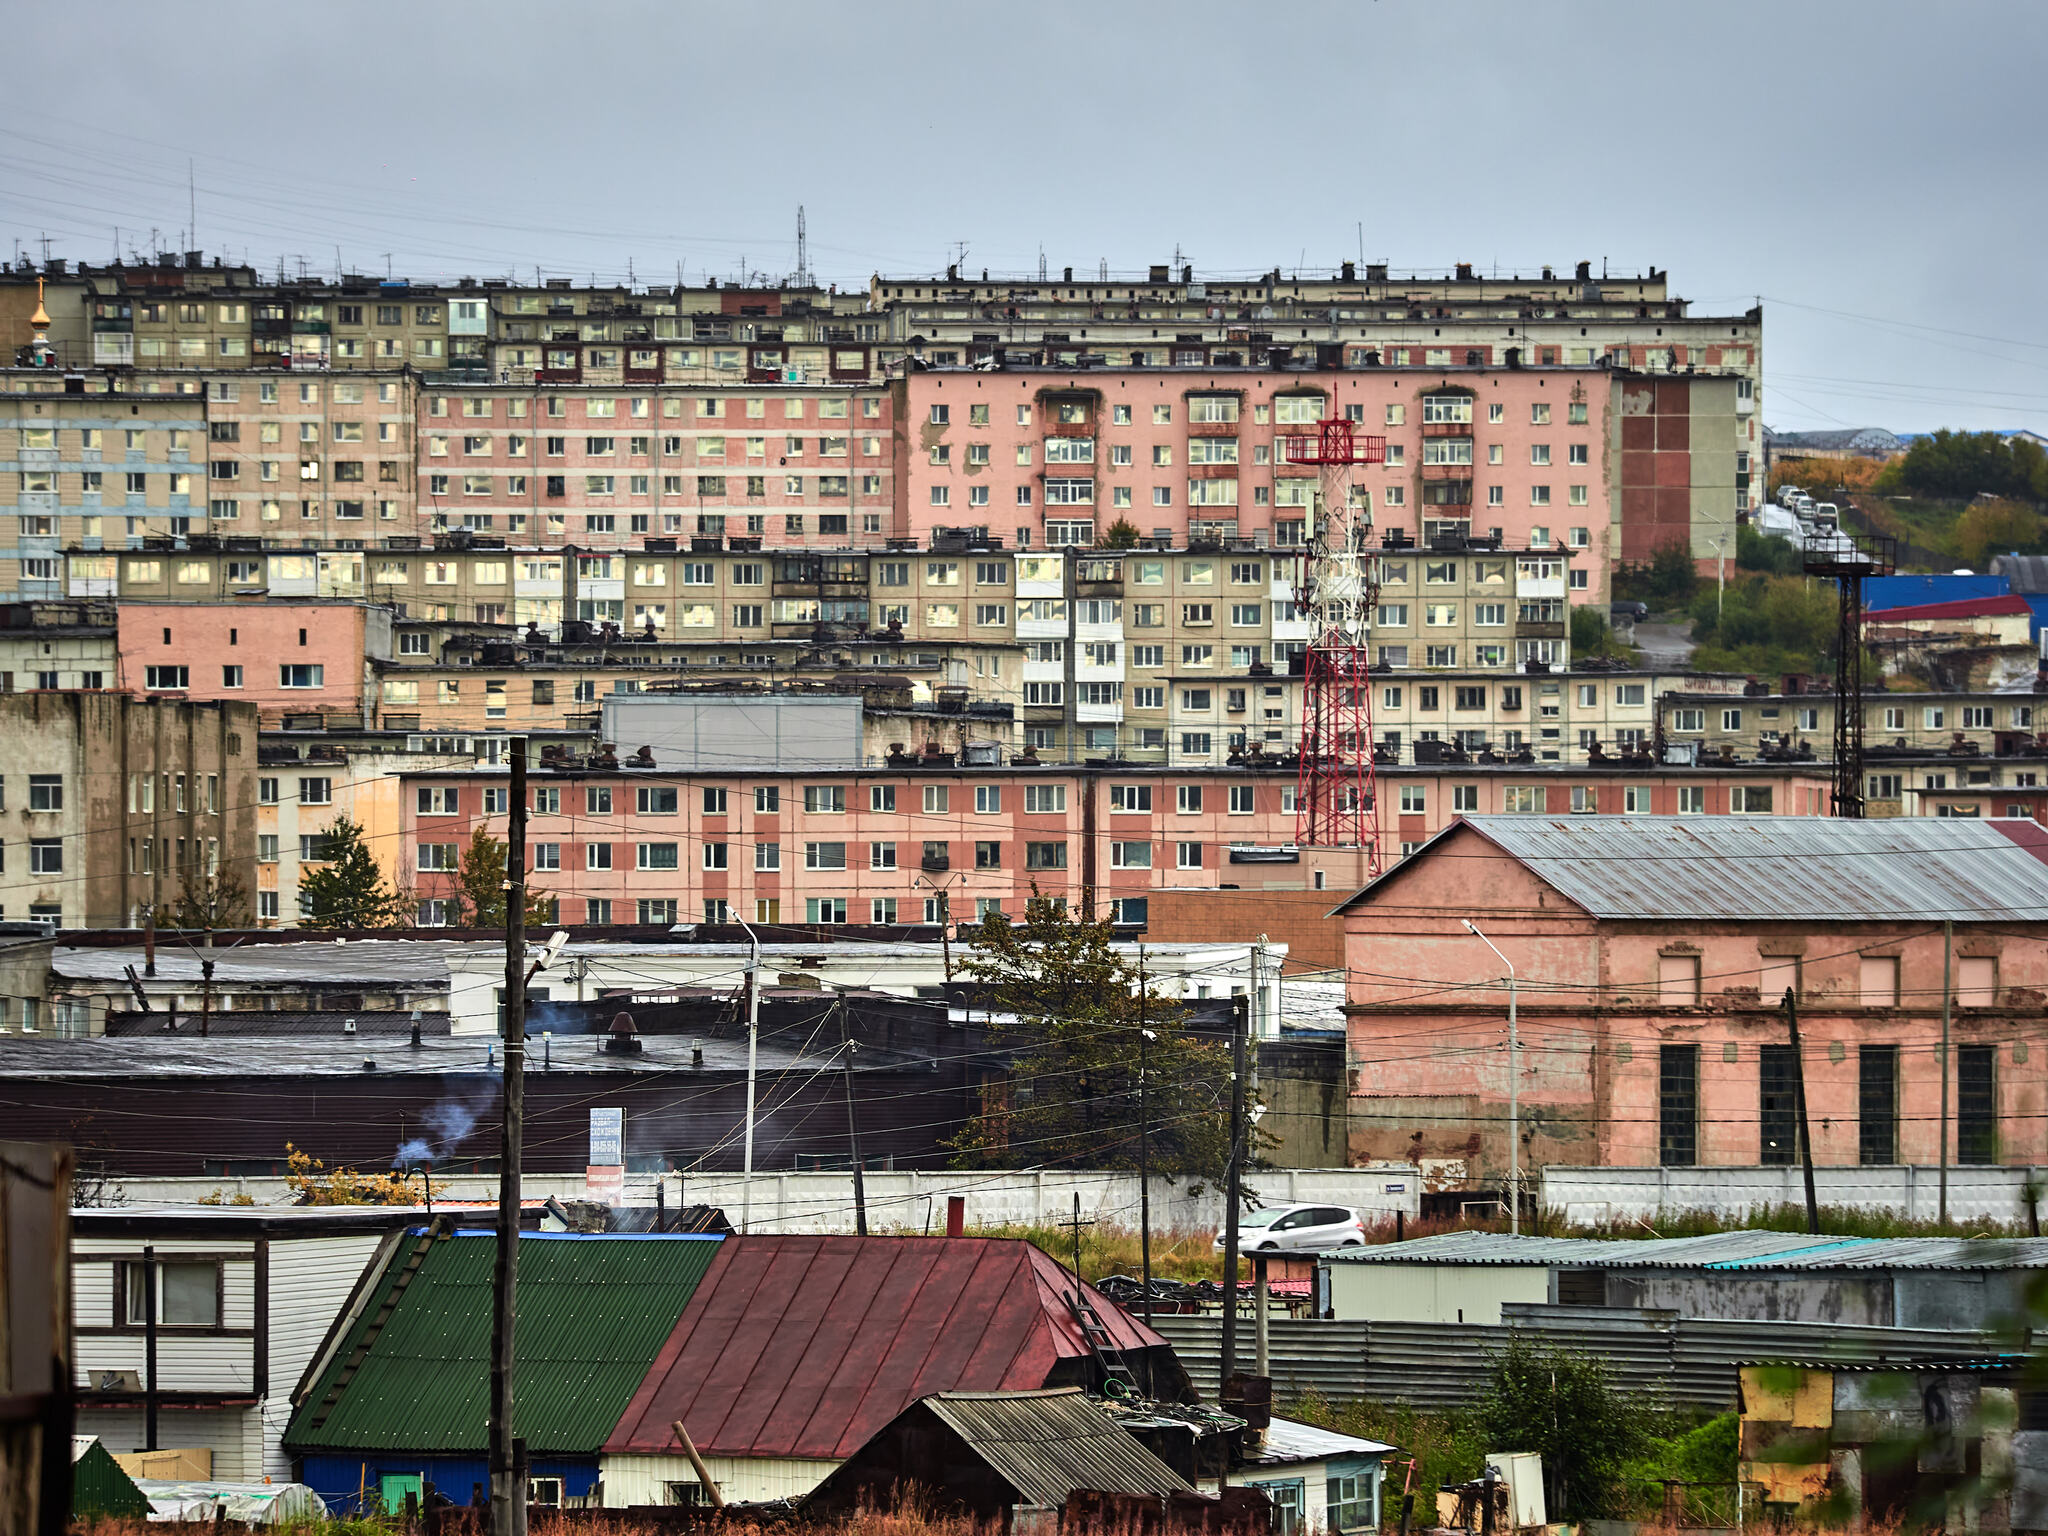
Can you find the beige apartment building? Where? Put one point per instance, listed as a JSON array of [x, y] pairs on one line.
[[119, 804], [1155, 655]]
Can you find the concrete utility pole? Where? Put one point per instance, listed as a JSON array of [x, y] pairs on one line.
[[508, 1461], [1514, 1091], [1240, 1008]]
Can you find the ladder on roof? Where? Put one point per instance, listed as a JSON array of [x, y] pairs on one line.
[[1118, 1380], [403, 1278]]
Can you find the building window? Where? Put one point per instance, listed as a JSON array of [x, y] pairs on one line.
[[1877, 1104], [187, 1295], [1777, 1106], [1678, 1105], [1976, 1104]]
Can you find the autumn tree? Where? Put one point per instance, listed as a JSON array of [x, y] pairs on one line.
[[312, 1182], [480, 876], [1993, 527], [210, 902], [347, 889], [1068, 1009]]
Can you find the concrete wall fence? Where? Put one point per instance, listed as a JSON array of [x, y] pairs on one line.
[[1909, 1190], [899, 1202]]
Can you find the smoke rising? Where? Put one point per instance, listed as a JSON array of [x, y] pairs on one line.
[[449, 1123]]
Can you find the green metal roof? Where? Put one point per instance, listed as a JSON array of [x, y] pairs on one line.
[[413, 1372]]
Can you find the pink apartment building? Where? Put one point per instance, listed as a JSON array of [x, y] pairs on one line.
[[1045, 457], [1652, 957], [284, 656], [873, 846]]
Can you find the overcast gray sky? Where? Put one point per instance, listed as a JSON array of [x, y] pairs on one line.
[[1872, 170]]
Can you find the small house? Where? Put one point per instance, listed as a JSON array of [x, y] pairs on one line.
[[193, 1322], [994, 1456], [1320, 1481], [795, 1352]]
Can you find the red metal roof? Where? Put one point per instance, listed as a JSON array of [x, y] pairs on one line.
[[806, 1346], [2029, 834], [1961, 608]]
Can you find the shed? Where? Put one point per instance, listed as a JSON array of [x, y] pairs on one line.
[[985, 1453], [796, 1351], [1319, 1480], [99, 1488], [1933, 1282], [399, 1395]]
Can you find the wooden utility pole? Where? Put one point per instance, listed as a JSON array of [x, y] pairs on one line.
[[508, 1490], [860, 1188], [1799, 1102], [1144, 1148], [1228, 1361], [1077, 1224], [1948, 958]]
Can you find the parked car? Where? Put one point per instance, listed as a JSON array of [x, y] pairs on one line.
[[1788, 495], [1297, 1229], [1627, 613]]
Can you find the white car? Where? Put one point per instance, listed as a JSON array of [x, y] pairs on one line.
[[1297, 1229]]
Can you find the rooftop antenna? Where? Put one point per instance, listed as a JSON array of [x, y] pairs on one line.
[[192, 201], [1103, 270], [46, 250], [1041, 263], [803, 250]]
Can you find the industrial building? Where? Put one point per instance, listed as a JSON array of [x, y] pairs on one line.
[[1651, 958]]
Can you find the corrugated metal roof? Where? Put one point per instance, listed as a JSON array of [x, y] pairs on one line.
[[1714, 1250], [1291, 1440], [1770, 868], [1048, 1444], [806, 1346], [593, 1311]]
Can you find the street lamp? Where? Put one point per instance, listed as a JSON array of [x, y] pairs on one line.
[[1514, 1090]]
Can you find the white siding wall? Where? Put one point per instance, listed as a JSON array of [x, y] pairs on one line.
[[234, 1435], [1433, 1293], [630, 1480], [310, 1279], [185, 1362]]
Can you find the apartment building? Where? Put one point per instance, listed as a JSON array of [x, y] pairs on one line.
[[1936, 754], [1192, 456], [284, 655], [120, 803], [180, 463], [85, 473], [321, 459], [52, 645], [304, 787], [563, 461], [915, 843]]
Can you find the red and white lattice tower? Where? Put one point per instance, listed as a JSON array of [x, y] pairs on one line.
[[1336, 805]]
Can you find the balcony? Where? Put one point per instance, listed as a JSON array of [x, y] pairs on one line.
[[935, 863], [1531, 629]]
